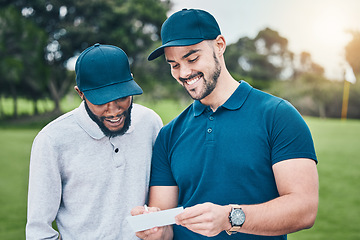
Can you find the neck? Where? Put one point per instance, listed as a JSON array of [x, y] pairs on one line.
[[225, 87]]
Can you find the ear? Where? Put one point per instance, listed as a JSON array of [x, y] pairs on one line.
[[81, 94], [220, 44]]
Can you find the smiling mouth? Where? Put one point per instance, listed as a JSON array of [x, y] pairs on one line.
[[115, 120], [193, 80]]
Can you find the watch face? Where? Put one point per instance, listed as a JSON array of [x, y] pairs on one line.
[[237, 217]]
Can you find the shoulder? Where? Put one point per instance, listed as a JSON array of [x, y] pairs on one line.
[[270, 104], [58, 129], [60, 123], [265, 98]]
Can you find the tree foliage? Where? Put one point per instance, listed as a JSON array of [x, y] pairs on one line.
[[266, 57], [72, 26], [352, 52], [22, 60], [39, 37], [308, 66]]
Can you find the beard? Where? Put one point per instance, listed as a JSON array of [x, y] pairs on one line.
[[209, 84], [100, 121]]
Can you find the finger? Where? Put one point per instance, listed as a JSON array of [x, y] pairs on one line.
[[206, 229], [192, 220], [192, 212], [146, 233], [196, 227], [137, 210], [150, 234], [189, 212], [153, 209]]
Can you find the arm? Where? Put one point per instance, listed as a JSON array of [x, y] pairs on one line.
[[163, 197], [44, 191], [160, 198], [293, 210]]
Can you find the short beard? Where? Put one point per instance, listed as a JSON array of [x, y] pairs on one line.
[[104, 129], [209, 85]]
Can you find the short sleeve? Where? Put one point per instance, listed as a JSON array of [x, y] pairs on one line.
[[161, 174], [290, 135]]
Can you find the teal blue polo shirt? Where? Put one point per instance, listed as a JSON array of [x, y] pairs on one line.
[[226, 156]]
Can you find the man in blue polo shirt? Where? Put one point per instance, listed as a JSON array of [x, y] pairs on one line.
[[239, 160]]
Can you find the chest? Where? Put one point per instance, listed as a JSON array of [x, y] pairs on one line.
[[220, 147], [105, 162]]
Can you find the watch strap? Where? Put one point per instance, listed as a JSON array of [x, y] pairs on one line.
[[233, 229]]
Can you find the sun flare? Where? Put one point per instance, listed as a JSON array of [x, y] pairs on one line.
[[329, 28]]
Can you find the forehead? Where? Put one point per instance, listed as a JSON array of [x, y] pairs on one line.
[[182, 52]]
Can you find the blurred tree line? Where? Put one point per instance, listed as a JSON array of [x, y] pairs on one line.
[[38, 38]]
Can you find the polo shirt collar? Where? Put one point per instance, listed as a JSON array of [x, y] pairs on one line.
[[199, 108], [88, 125], [235, 101]]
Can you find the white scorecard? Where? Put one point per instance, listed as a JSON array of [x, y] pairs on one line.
[[153, 219]]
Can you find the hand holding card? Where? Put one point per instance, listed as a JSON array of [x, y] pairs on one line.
[[154, 219]]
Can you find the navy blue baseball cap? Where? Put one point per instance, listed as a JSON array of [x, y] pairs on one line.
[[186, 27], [103, 74]]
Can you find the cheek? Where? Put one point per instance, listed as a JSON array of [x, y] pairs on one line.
[[175, 75], [180, 82], [127, 104], [97, 110]]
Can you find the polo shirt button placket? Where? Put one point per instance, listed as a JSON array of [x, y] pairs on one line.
[[118, 155], [210, 128]]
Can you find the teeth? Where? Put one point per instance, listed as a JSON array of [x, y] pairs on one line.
[[114, 120], [192, 81]]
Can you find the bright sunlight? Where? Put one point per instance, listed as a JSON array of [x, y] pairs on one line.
[[329, 28]]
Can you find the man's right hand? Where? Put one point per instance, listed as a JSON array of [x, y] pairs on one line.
[[156, 233]]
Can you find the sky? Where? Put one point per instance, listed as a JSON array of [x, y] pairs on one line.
[[315, 26]]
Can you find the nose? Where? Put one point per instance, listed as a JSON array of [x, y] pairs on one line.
[[185, 71], [112, 108]]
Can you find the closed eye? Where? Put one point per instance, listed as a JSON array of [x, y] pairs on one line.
[[174, 66], [193, 60]]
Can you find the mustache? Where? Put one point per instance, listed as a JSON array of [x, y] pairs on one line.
[[190, 77], [112, 117]]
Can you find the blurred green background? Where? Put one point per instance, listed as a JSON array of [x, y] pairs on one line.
[[39, 41]]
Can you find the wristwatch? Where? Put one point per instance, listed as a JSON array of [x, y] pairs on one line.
[[236, 218]]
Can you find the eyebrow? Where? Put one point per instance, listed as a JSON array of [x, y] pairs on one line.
[[186, 55]]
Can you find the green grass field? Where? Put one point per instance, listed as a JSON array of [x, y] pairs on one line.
[[337, 144]]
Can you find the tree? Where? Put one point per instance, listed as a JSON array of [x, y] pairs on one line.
[[72, 26], [306, 65], [22, 57], [352, 56], [264, 58], [274, 47], [352, 52]]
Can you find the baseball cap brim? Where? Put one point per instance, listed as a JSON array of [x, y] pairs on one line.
[[112, 92], [176, 43]]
